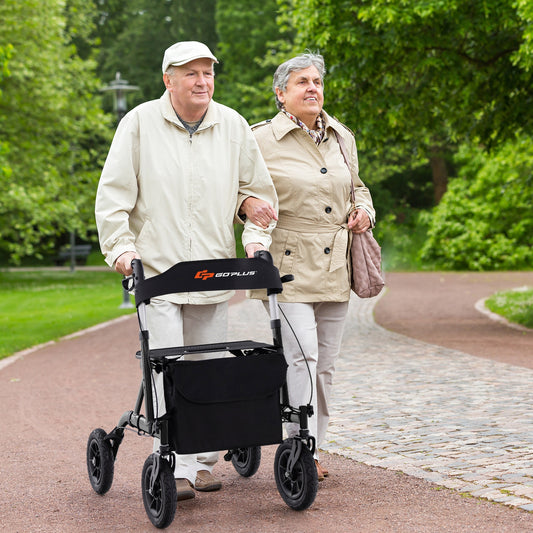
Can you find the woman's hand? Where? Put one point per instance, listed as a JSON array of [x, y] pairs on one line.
[[359, 221], [257, 211]]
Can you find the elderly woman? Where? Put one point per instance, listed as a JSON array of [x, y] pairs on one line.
[[311, 240]]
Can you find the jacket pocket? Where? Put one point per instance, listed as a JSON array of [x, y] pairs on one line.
[[284, 250]]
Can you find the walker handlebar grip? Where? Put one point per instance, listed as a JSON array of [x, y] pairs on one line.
[[138, 271], [264, 255]]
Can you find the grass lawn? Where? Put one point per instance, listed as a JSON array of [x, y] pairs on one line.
[[516, 306], [43, 305], [39, 306]]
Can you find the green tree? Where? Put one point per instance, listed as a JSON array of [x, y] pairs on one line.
[[5, 54], [416, 78], [524, 56], [484, 221], [134, 36], [52, 125], [250, 44]]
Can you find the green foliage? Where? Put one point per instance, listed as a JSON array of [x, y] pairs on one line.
[[5, 54], [516, 306], [415, 80], [412, 77], [484, 221], [401, 236], [239, 249], [248, 33], [524, 56], [40, 306], [52, 127], [134, 36]]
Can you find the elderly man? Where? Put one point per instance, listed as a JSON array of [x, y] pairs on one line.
[[179, 171]]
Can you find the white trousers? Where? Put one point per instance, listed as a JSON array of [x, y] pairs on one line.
[[311, 344], [180, 325]]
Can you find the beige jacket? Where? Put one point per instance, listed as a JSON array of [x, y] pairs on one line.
[[311, 238], [174, 197]]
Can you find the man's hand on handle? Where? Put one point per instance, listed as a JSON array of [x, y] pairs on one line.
[[253, 247], [123, 263]]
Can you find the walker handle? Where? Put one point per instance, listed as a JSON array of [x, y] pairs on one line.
[[264, 255], [138, 271]]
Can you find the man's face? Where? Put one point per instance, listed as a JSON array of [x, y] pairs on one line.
[[191, 87]]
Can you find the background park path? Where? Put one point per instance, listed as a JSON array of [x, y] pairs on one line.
[[386, 384]]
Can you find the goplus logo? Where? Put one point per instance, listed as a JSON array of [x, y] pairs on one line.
[[205, 274]]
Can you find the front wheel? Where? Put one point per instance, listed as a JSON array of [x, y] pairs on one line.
[[159, 491], [295, 473], [100, 461], [246, 460]]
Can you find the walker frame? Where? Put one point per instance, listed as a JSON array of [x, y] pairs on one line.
[[294, 468]]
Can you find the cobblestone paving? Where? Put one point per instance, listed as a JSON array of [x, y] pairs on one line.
[[456, 420]]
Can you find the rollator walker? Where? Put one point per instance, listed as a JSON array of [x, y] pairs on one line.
[[236, 402]]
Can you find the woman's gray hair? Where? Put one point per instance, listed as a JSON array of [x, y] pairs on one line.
[[283, 72]]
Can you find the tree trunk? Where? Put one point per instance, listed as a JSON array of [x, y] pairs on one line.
[[439, 172]]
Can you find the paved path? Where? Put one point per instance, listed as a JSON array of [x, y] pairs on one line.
[[453, 419], [54, 396]]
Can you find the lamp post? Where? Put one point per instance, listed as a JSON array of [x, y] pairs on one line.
[[120, 87]]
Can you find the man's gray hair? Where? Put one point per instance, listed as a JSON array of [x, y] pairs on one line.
[[303, 61], [172, 69]]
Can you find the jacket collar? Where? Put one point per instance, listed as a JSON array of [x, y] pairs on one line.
[[282, 125], [211, 118]]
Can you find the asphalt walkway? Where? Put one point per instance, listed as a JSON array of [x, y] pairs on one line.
[[453, 419], [445, 418]]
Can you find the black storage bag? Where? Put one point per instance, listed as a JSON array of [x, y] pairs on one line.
[[225, 403]]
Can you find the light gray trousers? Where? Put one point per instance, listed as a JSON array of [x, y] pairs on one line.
[[318, 328], [179, 325]]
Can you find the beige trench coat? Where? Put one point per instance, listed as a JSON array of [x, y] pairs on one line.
[[311, 239]]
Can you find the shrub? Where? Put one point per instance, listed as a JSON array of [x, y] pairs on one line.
[[401, 236], [484, 221]]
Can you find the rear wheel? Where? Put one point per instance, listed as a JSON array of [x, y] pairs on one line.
[[100, 461], [159, 491], [297, 480], [246, 460]]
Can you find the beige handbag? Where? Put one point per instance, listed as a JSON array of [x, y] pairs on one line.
[[365, 252]]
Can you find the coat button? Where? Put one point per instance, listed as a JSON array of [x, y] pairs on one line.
[[327, 250], [287, 252], [323, 170], [328, 210]]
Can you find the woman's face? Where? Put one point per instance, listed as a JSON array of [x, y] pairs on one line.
[[304, 95]]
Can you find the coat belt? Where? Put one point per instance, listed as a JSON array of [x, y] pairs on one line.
[[340, 240]]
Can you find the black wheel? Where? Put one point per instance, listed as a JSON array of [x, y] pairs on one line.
[[246, 460], [298, 487], [159, 495], [100, 461]]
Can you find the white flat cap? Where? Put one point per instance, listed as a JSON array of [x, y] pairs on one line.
[[185, 51]]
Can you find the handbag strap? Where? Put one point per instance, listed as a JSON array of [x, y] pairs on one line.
[[344, 153]]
